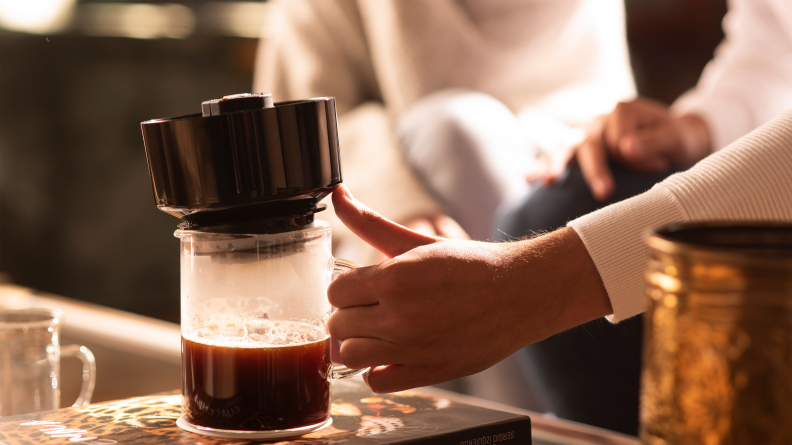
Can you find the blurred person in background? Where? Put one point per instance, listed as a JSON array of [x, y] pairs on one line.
[[445, 105], [625, 153]]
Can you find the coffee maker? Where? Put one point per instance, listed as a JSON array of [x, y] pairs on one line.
[[246, 176]]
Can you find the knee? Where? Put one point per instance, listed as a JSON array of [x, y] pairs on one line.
[[548, 207], [474, 116], [460, 120]]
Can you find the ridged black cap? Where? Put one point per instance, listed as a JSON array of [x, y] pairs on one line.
[[245, 160], [236, 102]]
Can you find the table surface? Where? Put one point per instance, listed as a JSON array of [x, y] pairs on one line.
[[546, 430], [151, 418]]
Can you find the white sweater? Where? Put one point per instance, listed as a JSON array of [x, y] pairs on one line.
[[750, 180]]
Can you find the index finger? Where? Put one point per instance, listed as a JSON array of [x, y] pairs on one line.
[[353, 288], [621, 121], [593, 160]]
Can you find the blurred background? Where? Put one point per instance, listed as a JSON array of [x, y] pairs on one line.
[[77, 215]]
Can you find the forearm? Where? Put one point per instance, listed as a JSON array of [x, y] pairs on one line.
[[554, 277], [578, 280], [568, 278]]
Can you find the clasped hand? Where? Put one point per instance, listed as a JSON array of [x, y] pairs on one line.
[[641, 134]]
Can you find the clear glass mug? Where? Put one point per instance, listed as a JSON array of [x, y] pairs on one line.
[[30, 355], [255, 344]]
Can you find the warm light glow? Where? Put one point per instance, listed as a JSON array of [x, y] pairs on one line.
[[141, 21], [241, 19], [135, 20], [36, 16]]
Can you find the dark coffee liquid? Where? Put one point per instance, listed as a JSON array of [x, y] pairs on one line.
[[255, 388]]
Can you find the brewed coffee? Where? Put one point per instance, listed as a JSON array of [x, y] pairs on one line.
[[231, 386]]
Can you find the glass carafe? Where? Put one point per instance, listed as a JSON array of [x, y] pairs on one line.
[[255, 344]]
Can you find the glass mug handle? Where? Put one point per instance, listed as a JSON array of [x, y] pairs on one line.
[[343, 372], [88, 373]]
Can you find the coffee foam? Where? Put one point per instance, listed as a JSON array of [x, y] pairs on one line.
[[235, 332]]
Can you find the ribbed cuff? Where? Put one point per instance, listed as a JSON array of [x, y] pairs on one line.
[[615, 238]]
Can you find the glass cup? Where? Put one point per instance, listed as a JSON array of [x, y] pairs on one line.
[[30, 355], [255, 344]]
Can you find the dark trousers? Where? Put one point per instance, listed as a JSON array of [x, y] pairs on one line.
[[589, 374]]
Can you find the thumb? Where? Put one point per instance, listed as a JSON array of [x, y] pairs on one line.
[[381, 233]]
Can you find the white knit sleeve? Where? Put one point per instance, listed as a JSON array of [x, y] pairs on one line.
[[750, 180]]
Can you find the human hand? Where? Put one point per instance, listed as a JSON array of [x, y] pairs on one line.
[[437, 225], [642, 134], [441, 309]]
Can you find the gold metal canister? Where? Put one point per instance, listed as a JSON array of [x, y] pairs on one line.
[[718, 335]]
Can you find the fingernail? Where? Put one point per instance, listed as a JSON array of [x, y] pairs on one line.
[[366, 376], [348, 194], [352, 199]]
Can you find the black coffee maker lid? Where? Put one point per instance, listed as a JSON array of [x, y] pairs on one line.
[[244, 159]]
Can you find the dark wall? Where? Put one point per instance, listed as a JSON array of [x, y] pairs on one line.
[[670, 42], [77, 215]]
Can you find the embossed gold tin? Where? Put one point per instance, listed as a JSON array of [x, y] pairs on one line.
[[718, 335]]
